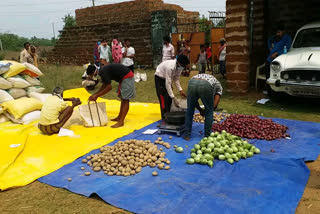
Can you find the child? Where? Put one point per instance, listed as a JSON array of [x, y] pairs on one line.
[[202, 60]]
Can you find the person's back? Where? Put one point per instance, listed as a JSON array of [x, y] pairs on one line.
[[51, 110]]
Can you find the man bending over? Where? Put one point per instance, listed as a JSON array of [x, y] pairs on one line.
[[126, 89]]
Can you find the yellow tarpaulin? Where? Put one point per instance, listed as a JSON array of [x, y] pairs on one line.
[[26, 154]]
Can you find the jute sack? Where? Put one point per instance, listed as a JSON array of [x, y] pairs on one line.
[[94, 114]]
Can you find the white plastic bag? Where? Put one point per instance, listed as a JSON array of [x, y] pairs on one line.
[[26, 119], [5, 96], [94, 114], [41, 97], [3, 118], [17, 92], [18, 82], [32, 80], [4, 67], [137, 77], [38, 89], [4, 84], [143, 77]]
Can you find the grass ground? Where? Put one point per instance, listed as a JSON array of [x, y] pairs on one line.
[[41, 198]]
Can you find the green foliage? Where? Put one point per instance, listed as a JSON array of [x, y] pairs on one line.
[[2, 55], [205, 26], [15, 43], [69, 21]]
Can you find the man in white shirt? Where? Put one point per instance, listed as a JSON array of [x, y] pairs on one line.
[[104, 53], [128, 53], [167, 50], [222, 57], [167, 72]]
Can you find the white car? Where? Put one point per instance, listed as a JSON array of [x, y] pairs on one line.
[[298, 72]]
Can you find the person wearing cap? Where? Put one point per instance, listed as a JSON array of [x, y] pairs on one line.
[[56, 112], [276, 45], [222, 56], [207, 88], [126, 89], [167, 72]]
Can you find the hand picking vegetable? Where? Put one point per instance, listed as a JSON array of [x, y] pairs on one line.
[[252, 127], [224, 147], [127, 158]]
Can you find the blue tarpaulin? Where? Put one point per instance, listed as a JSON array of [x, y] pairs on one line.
[[271, 182]]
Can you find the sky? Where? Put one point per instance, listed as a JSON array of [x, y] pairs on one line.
[[37, 17]]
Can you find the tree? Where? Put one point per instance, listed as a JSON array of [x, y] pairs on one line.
[[205, 26], [69, 21]]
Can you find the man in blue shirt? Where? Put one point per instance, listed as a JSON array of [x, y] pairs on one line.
[[277, 45]]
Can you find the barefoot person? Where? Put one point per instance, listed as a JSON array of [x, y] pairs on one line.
[[56, 112], [126, 89], [207, 88]]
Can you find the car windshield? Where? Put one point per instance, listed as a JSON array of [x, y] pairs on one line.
[[307, 38]]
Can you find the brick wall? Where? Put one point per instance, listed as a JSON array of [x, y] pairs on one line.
[[126, 20], [77, 43], [237, 36]]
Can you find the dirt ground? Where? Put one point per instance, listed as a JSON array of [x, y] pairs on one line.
[[310, 202], [39, 198]]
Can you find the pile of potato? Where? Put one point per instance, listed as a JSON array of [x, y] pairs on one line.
[[217, 117], [127, 158]]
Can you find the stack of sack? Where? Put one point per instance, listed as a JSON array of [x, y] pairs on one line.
[[21, 97]]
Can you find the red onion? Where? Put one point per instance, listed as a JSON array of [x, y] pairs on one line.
[[252, 127]]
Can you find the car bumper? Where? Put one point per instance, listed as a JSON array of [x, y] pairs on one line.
[[305, 89]]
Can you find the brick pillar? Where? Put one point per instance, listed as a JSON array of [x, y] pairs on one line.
[[237, 36]]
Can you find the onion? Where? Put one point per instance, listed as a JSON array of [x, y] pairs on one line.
[[252, 127]]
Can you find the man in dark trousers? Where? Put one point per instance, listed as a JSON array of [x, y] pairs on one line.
[[167, 72], [126, 89]]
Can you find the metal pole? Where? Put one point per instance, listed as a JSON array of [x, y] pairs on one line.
[[93, 3], [1, 48], [54, 34]]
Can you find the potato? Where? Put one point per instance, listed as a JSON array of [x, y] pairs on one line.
[[97, 168], [95, 164], [167, 167], [110, 173], [154, 173], [152, 165], [82, 168], [106, 172], [162, 154], [138, 169], [170, 137], [88, 157], [127, 174], [87, 173], [154, 158], [118, 173], [69, 179], [168, 162], [133, 172], [160, 166]]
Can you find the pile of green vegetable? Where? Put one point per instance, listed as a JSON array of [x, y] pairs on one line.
[[224, 146]]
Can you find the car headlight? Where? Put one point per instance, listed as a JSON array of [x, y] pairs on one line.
[[276, 67]]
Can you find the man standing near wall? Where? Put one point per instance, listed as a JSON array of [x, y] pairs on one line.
[[24, 55], [167, 50], [128, 53], [104, 53]]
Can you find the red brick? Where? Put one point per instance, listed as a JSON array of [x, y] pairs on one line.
[[237, 48], [238, 76], [237, 58]]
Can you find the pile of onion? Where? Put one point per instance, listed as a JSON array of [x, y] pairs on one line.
[[252, 127]]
